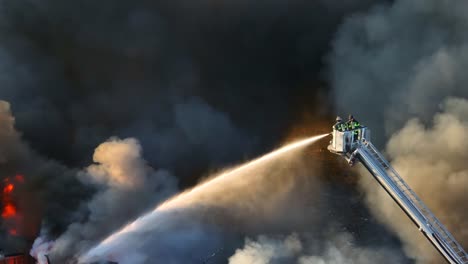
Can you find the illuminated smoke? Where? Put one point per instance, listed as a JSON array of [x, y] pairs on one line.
[[210, 193], [191, 196], [440, 177]]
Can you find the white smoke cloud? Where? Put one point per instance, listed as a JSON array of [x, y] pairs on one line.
[[335, 248], [119, 164], [40, 249], [265, 249]]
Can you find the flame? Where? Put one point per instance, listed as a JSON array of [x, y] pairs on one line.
[[9, 211], [9, 188]]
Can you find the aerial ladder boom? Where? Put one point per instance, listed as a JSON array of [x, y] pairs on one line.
[[354, 145]]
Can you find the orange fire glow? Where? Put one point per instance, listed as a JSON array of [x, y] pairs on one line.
[[19, 178], [13, 232], [8, 208], [9, 211], [8, 188]]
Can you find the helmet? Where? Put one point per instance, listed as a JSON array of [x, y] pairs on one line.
[[338, 119], [350, 117]]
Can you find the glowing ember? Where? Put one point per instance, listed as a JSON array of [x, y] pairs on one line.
[[9, 188], [19, 178], [13, 232], [9, 211]]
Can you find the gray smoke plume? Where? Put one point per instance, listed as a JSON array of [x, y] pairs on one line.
[[400, 68]]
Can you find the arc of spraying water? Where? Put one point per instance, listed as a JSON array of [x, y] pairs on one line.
[[177, 201]]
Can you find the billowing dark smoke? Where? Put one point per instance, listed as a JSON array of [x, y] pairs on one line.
[[407, 61], [155, 70], [188, 87]]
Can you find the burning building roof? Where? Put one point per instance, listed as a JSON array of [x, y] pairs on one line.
[[11, 218], [17, 259]]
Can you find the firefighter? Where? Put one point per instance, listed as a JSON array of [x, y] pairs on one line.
[[339, 125], [353, 124]]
